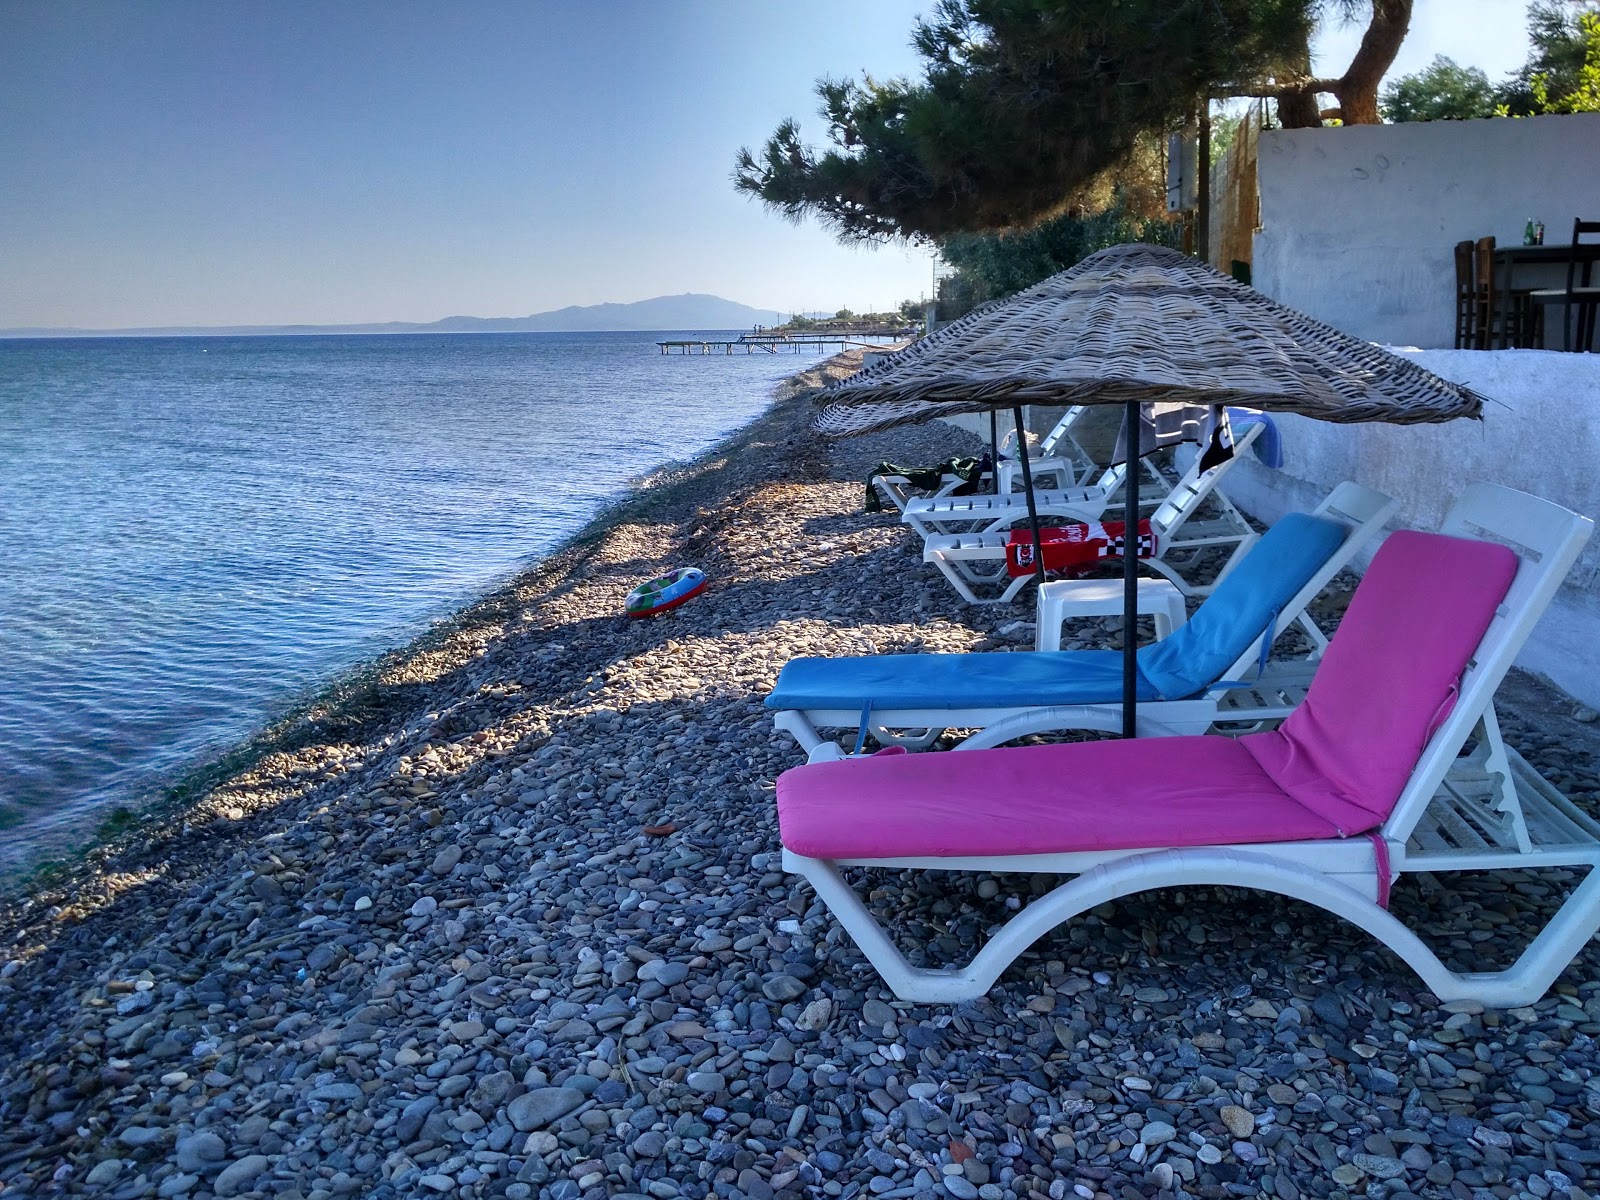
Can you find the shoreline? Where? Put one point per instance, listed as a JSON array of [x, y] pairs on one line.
[[352, 701], [508, 919], [365, 697]]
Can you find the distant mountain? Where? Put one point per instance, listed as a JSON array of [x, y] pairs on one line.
[[688, 311]]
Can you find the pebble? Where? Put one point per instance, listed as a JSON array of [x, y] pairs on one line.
[[197, 1152], [1241, 1122], [241, 1175], [781, 988], [877, 1014], [538, 1108], [136, 1136], [1157, 1133], [104, 1173]]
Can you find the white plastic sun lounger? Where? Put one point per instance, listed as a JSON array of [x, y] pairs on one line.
[[1006, 695], [1060, 457], [977, 560], [934, 515], [1351, 792], [931, 516]]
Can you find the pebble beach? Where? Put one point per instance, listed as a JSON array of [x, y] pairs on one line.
[[506, 918]]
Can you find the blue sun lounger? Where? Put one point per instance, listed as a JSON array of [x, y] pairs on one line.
[[910, 699]]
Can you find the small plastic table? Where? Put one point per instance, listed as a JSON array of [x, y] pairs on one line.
[[1065, 599]]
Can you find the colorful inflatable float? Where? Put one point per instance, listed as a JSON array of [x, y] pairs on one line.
[[666, 591]]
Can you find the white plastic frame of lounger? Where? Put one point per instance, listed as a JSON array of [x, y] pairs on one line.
[[1360, 509], [1061, 456], [971, 560], [934, 515], [931, 516], [1434, 826]]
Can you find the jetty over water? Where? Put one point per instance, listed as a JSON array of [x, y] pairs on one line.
[[777, 343]]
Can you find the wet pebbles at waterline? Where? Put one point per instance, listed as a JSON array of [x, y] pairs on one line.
[[529, 936]]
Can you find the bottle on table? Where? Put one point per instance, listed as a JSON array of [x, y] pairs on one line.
[[1527, 233]]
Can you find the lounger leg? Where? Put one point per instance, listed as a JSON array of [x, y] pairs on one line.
[[1536, 968], [1318, 639], [1498, 766], [915, 742], [960, 584], [1523, 983], [795, 724], [906, 981]]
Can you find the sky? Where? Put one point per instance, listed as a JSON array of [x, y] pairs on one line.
[[222, 162]]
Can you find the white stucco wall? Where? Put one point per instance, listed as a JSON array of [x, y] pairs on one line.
[[1540, 434], [1358, 223]]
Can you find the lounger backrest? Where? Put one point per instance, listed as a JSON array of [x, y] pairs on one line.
[[1390, 677], [1062, 432], [1111, 478], [1362, 511], [1548, 540], [1196, 655], [1191, 491]]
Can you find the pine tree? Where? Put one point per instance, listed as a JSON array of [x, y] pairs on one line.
[[1024, 107]]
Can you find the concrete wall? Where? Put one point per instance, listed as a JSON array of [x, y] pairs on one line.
[[1540, 434], [1358, 223]]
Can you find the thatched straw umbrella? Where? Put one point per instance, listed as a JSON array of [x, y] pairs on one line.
[[1134, 324]]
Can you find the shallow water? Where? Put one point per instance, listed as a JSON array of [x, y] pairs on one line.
[[199, 531]]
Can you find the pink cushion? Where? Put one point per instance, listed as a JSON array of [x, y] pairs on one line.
[[1389, 677], [1182, 791], [1335, 768]]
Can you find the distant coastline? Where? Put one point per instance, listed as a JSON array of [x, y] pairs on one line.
[[690, 310]]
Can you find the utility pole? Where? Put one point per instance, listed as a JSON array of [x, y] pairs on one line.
[[1202, 233]]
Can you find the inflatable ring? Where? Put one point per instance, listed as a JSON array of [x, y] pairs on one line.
[[666, 591]]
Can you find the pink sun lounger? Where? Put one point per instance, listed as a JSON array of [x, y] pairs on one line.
[[1350, 791]]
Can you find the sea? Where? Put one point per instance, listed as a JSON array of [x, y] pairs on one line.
[[198, 533]]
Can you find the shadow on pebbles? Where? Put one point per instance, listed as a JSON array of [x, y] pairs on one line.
[[518, 927]]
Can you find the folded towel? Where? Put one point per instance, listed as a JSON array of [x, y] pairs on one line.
[[1073, 550], [929, 479], [1268, 446]]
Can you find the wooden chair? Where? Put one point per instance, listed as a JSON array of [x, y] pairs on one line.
[[1575, 296], [1491, 330], [1466, 300]]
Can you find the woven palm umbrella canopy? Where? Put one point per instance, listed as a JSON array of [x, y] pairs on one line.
[[1132, 324], [1142, 323]]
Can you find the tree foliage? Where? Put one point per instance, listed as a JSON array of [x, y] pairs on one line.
[[1026, 108], [992, 265], [1445, 91], [1562, 73], [1022, 106]]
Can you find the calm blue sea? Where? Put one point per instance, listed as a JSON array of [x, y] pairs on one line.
[[196, 532]]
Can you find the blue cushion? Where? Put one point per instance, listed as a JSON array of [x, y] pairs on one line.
[[996, 680], [1185, 664], [1194, 657]]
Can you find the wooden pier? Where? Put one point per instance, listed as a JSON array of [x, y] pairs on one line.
[[777, 343]]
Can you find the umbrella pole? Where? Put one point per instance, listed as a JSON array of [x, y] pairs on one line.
[[1130, 570], [1033, 508], [994, 451]]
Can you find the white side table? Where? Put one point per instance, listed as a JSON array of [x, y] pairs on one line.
[[1064, 599]]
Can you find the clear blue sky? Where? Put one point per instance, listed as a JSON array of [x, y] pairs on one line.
[[229, 162]]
